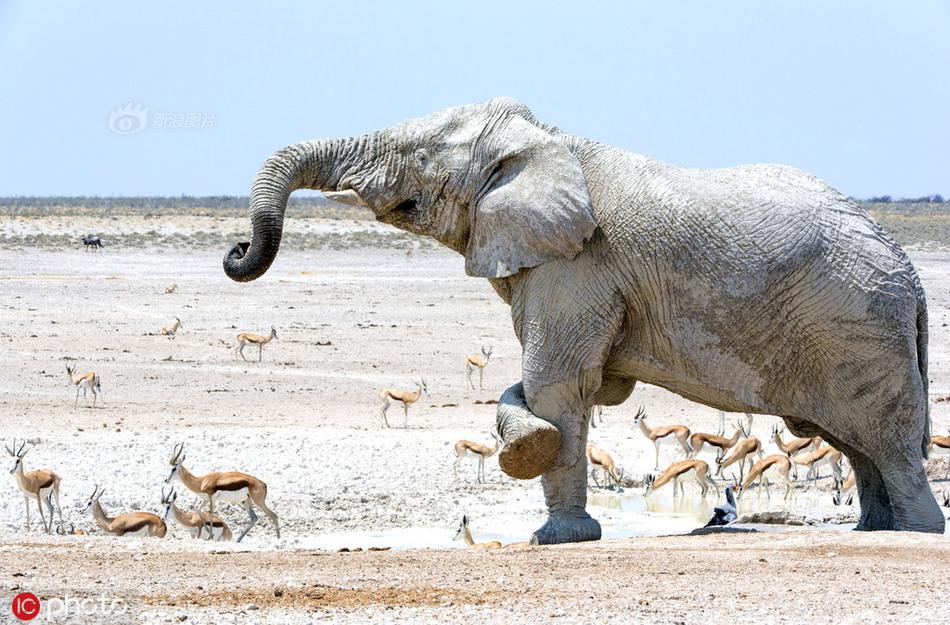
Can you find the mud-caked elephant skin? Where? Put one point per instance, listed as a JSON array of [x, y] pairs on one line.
[[751, 289]]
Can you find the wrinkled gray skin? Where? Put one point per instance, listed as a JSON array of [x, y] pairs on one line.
[[752, 289]]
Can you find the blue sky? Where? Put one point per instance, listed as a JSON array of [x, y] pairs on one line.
[[855, 92]]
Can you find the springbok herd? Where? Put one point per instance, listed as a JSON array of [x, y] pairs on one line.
[[740, 452], [744, 452]]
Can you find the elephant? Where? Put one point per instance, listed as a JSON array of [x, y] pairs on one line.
[[755, 288]]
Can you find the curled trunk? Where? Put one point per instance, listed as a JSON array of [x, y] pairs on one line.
[[306, 165]]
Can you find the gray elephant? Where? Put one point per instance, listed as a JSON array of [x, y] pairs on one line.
[[751, 289]]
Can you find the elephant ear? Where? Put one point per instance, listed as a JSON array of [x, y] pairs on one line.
[[533, 208]]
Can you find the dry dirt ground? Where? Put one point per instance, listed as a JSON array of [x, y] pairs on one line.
[[354, 315]]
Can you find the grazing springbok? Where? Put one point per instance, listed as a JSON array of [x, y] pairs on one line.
[[255, 339], [662, 434], [844, 488], [600, 458], [776, 463], [171, 288], [742, 453], [942, 442], [90, 241], [700, 440], [827, 455], [227, 486], [406, 397], [464, 448], [87, 381], [477, 362], [195, 522], [172, 329], [464, 532], [41, 485], [697, 469], [131, 524], [796, 445]]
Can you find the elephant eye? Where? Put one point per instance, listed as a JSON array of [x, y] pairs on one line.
[[421, 157]]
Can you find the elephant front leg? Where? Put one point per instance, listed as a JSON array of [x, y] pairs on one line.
[[565, 493], [553, 447]]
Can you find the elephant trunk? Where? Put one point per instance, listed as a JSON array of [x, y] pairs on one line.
[[307, 165]]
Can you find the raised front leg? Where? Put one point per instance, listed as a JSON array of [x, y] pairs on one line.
[[535, 446], [567, 318]]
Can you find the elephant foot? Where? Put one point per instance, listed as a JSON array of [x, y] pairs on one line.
[[567, 527], [531, 444], [531, 451], [913, 504]]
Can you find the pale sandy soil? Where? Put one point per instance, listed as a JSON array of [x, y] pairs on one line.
[[305, 420]]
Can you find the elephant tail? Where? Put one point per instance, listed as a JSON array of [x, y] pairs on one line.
[[922, 364]]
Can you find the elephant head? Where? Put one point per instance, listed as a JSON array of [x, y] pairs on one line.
[[487, 180]]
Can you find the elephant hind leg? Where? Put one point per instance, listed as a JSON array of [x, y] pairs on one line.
[[876, 509], [892, 485]]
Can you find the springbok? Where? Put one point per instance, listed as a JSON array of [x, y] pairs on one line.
[[678, 470], [464, 532], [406, 397], [600, 458], [172, 329], [742, 453], [477, 362], [844, 488], [132, 524], [195, 522], [41, 485], [699, 440], [255, 339], [464, 448], [87, 381], [596, 414], [776, 463], [227, 486], [827, 455], [796, 445], [942, 442], [662, 434]]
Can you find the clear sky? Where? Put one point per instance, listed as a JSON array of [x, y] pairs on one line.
[[855, 92]]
